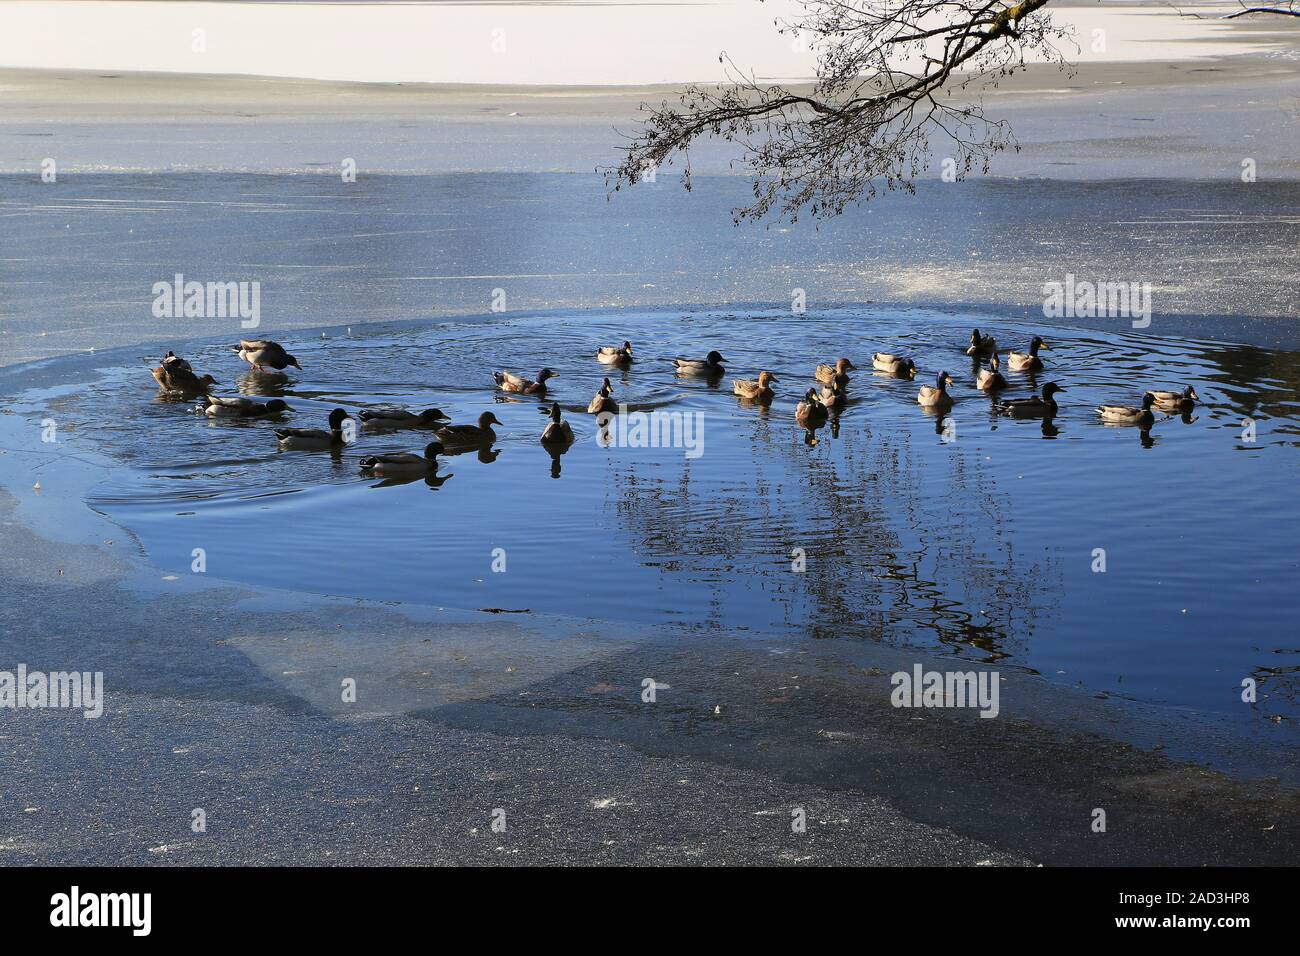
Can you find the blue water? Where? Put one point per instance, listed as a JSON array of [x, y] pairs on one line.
[[983, 544]]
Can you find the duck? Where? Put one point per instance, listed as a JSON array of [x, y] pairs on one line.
[[404, 463], [833, 396], [517, 383], [1028, 361], [759, 391], [603, 401], [480, 434], [936, 395], [557, 432], [1183, 401], [308, 439], [837, 373], [990, 379], [401, 418], [895, 365], [609, 355], [711, 364], [174, 374], [810, 413], [260, 353], [1128, 415], [981, 344], [1034, 406], [240, 407]]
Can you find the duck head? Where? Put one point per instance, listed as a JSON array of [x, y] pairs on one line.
[[1037, 343], [1050, 389], [1190, 394], [627, 347], [993, 362], [337, 418], [278, 405], [714, 358], [432, 450], [555, 412], [607, 388], [486, 419], [844, 365], [975, 337], [430, 415], [765, 377], [290, 360], [545, 374], [942, 381], [1147, 401]]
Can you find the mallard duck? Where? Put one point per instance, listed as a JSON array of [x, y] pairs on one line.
[[810, 413], [1127, 414], [1183, 401], [833, 396], [895, 365], [609, 355], [405, 463], [174, 374], [990, 379], [758, 391], [936, 395], [1028, 361], [401, 418], [1033, 407], [261, 353], [711, 364], [981, 344], [603, 400], [241, 407], [557, 432], [516, 383], [479, 434], [838, 373], [314, 438]]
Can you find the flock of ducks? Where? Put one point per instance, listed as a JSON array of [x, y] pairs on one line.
[[175, 376]]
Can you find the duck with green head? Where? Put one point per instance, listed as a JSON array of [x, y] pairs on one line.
[[315, 439]]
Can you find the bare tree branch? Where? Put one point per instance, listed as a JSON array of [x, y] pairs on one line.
[[885, 73]]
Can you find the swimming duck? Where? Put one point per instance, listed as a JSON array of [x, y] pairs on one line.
[[1183, 401], [557, 432], [609, 355], [838, 373], [309, 439], [833, 396], [1028, 361], [711, 364], [895, 365], [480, 434], [1033, 407], [603, 400], [263, 352], [981, 344], [1127, 414], [810, 413], [936, 395], [517, 383], [240, 407], [405, 463], [401, 418], [174, 374], [759, 391], [990, 379]]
